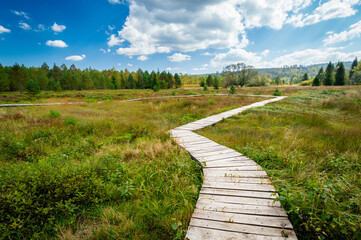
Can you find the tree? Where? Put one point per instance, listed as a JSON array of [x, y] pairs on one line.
[[340, 77], [178, 80], [216, 82], [203, 83], [209, 80], [329, 79], [131, 82], [316, 81], [305, 77], [278, 80], [321, 75], [32, 87], [354, 64]]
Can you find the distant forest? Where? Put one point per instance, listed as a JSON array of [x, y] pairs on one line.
[[36, 79], [44, 78]]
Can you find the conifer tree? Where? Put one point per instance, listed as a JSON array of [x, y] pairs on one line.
[[329, 79], [340, 77], [316, 81], [209, 80], [178, 80], [354, 64]]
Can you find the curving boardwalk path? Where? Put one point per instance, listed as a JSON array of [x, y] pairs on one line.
[[237, 198]]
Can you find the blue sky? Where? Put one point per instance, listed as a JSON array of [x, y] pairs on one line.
[[179, 36]]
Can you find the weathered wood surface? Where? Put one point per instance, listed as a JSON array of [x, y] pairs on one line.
[[237, 199]]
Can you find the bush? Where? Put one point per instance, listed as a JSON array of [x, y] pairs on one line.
[[155, 88], [232, 90], [70, 121], [205, 88], [211, 102], [54, 114], [277, 93]]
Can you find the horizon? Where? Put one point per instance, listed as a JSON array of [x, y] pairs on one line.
[[188, 37]]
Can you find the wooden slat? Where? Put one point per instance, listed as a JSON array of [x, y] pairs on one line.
[[238, 193], [197, 233], [240, 200], [240, 186], [241, 228]]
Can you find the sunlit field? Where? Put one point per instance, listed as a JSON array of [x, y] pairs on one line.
[[310, 146], [100, 171]]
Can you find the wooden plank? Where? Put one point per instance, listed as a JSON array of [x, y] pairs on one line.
[[241, 228], [218, 155], [240, 200], [223, 164], [238, 193], [237, 169], [197, 233], [209, 172], [209, 205], [240, 186], [266, 221], [236, 180]]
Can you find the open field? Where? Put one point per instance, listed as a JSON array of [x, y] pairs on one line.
[[310, 145], [100, 171]]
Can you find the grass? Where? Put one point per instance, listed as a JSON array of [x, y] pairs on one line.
[[310, 146], [100, 171]]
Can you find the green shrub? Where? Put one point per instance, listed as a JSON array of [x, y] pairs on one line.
[[70, 121], [205, 88], [211, 102], [32, 87], [54, 114], [232, 90], [277, 93]]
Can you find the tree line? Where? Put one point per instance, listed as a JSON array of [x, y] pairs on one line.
[[35, 79]]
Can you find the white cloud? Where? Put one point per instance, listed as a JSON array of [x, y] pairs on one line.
[[119, 64], [265, 53], [142, 58], [113, 40], [75, 58], [56, 43], [24, 26], [270, 13], [354, 31], [179, 57], [206, 54], [4, 30], [328, 10], [116, 1], [161, 27], [111, 27], [102, 50], [235, 55], [40, 28], [21, 13], [171, 69], [58, 28], [130, 65], [199, 69]]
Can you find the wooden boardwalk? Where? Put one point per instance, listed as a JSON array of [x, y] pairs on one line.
[[237, 198]]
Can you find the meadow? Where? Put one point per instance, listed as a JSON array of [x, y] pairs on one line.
[[310, 146], [100, 171]]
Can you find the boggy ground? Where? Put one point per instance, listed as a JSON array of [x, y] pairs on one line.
[[100, 171], [310, 145]]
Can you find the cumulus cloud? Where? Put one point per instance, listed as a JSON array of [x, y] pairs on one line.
[[179, 57], [328, 10], [130, 65], [40, 28], [235, 55], [171, 69], [114, 40], [161, 27], [24, 26], [270, 13], [58, 28], [56, 43], [21, 13], [4, 30], [265, 53], [75, 57], [354, 31], [142, 58]]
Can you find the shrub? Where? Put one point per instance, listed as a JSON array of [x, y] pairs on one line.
[[54, 114], [155, 88], [211, 102], [277, 93], [70, 121], [232, 90], [205, 88]]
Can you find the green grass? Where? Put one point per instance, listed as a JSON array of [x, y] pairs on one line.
[[310, 146], [100, 171]]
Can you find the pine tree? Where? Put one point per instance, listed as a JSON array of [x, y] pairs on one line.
[[178, 80], [354, 64], [32, 87], [209, 80], [305, 77], [232, 90], [329, 75], [340, 77], [216, 82], [316, 81]]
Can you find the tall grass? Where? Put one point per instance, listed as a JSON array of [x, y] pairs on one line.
[[310, 145], [100, 171]]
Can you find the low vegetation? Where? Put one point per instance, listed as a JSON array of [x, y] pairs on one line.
[[100, 171], [310, 146]]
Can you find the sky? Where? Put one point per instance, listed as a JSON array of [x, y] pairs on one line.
[[188, 36]]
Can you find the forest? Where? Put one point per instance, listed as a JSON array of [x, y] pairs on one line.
[[35, 79]]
